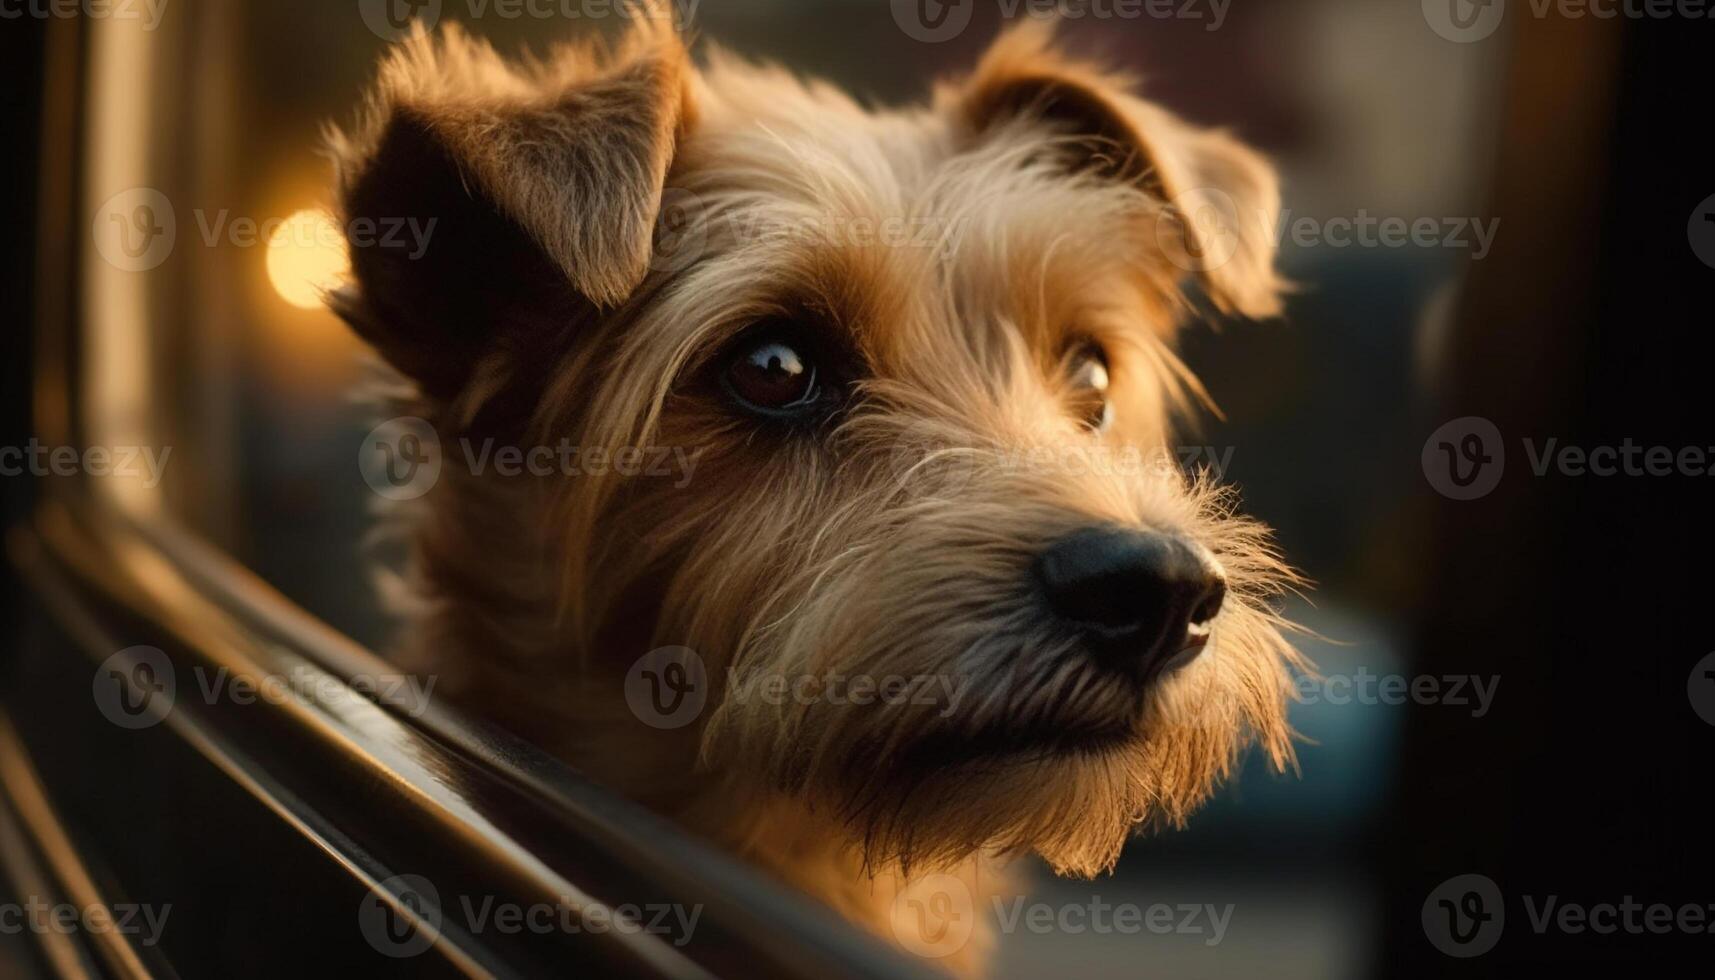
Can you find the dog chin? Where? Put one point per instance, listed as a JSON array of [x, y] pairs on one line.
[[1090, 735], [1094, 709], [1068, 763], [1033, 745], [1002, 791]]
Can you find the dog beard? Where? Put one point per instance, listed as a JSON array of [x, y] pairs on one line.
[[924, 701]]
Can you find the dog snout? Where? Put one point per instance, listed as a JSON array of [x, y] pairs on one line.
[[1143, 596]]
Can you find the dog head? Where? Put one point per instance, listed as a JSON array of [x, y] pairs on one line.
[[925, 361]]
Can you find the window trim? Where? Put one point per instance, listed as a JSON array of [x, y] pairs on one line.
[[345, 773]]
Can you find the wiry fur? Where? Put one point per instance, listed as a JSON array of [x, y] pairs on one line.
[[892, 540]]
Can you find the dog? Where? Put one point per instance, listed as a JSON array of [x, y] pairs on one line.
[[925, 622]]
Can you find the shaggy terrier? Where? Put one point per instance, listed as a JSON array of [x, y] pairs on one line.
[[924, 603]]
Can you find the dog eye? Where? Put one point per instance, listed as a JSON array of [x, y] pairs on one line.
[[1087, 375], [772, 376]]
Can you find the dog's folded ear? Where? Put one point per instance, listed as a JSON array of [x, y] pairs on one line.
[[1220, 200], [536, 187]]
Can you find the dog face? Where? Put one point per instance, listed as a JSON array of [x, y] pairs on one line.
[[924, 358]]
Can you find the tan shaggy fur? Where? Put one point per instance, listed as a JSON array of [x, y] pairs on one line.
[[610, 220]]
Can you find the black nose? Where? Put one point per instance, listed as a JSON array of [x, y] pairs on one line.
[[1135, 594]]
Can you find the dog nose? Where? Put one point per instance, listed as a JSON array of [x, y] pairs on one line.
[[1141, 594]]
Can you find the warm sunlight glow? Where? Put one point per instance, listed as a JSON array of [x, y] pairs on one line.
[[306, 256]]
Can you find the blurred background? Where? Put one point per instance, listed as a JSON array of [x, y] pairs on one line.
[[1559, 217]]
